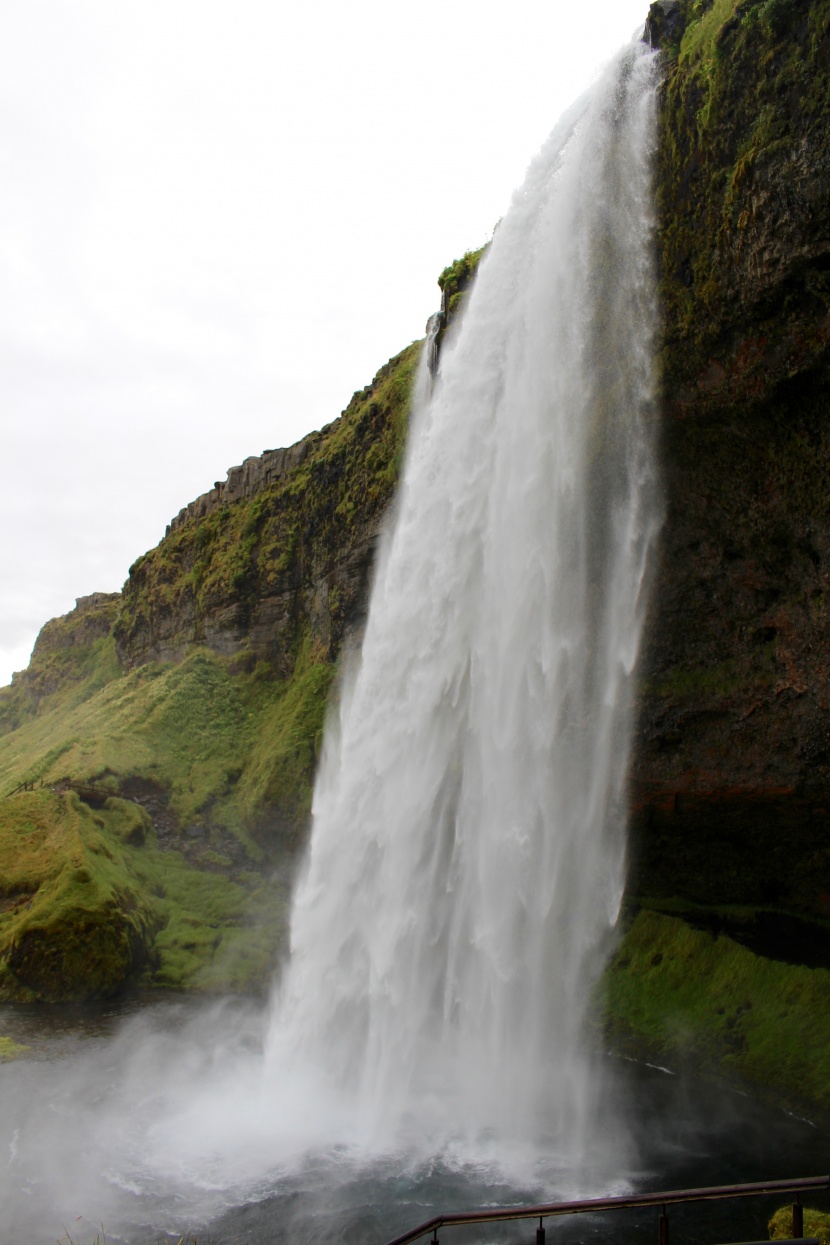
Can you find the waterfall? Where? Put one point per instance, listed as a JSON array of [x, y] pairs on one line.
[[429, 1043], [466, 862]]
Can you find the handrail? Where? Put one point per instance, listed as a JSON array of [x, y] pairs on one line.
[[712, 1193]]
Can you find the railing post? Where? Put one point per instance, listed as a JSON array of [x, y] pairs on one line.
[[540, 1233], [663, 1228], [798, 1219]]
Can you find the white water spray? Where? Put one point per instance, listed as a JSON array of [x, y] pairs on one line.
[[467, 853]]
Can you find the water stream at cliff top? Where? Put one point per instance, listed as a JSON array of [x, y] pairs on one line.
[[466, 863]]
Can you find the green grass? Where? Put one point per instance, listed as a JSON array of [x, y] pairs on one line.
[[281, 762], [700, 37], [74, 923], [225, 746], [9, 1049], [89, 904], [816, 1223], [686, 994]]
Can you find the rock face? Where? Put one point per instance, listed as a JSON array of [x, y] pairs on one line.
[[65, 646], [248, 480], [90, 620], [280, 553], [732, 768], [664, 23]]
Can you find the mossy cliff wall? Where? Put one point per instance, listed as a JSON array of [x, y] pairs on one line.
[[194, 700], [284, 554], [725, 958], [732, 764]]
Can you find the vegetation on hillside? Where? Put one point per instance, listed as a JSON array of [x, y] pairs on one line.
[[194, 703], [456, 280], [93, 897], [180, 877], [260, 574]]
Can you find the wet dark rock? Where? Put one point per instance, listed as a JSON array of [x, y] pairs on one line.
[[731, 787], [664, 23]]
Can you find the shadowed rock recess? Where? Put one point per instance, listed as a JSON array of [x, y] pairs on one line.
[[197, 697]]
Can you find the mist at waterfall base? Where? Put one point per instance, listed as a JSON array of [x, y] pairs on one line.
[[429, 1045]]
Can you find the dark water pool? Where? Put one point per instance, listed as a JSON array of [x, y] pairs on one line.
[[77, 1113]]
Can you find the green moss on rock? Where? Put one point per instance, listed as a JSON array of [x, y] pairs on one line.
[[742, 167], [455, 283], [73, 655], [257, 574], [816, 1223], [72, 922], [9, 1049], [89, 905], [276, 784], [702, 999]]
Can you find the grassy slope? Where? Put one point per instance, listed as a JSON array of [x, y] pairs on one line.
[[225, 746], [688, 995], [91, 898], [90, 901], [217, 742], [197, 923]]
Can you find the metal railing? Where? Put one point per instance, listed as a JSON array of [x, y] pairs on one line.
[[714, 1193]]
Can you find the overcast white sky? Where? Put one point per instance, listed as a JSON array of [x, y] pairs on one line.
[[217, 221]]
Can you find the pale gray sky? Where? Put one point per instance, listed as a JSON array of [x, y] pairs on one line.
[[217, 221]]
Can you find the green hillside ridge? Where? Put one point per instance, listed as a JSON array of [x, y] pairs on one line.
[[194, 904], [221, 750], [208, 579], [180, 877]]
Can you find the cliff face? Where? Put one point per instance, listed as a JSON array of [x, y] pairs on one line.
[[724, 962], [282, 551], [732, 766]]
